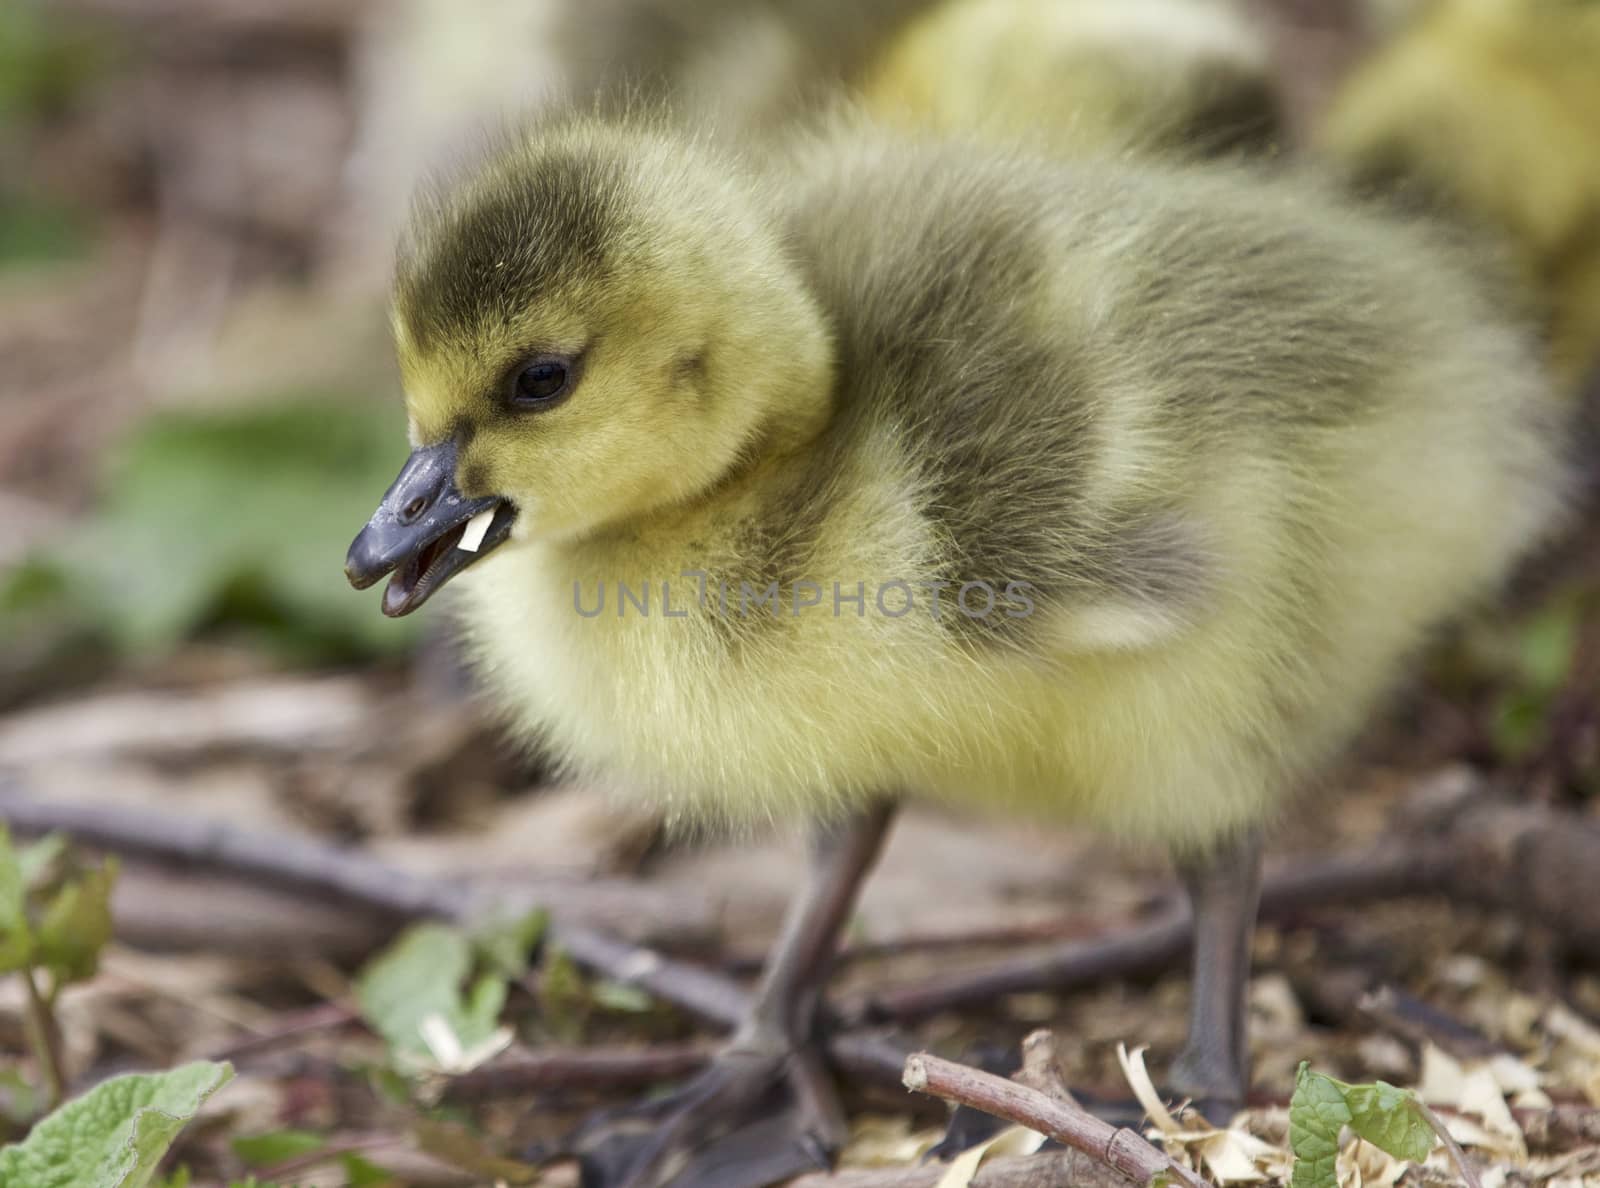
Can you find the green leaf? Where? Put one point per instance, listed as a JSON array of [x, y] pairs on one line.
[[423, 974], [263, 1150], [35, 230], [469, 1152], [114, 1135], [1536, 666], [37, 859], [47, 59], [480, 1017], [1390, 1120], [363, 1173], [1547, 645], [621, 997], [1317, 1112], [506, 945], [564, 998], [77, 924], [16, 936], [238, 518], [20, 1100], [389, 1086], [1518, 724]]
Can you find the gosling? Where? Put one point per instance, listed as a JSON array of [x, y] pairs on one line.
[[1188, 78], [1101, 492], [1488, 113]]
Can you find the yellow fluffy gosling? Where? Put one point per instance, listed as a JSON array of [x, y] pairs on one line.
[[1193, 460]]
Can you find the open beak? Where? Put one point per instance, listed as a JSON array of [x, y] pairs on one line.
[[417, 532]]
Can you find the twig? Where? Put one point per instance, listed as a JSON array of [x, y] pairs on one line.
[[925, 943], [279, 859], [43, 1038], [709, 996], [1559, 1127], [290, 1028], [1452, 1148], [275, 716], [1420, 1023], [1145, 950], [1487, 851], [577, 1069], [1041, 1068], [1023, 1171], [159, 909], [323, 873], [719, 1001], [311, 868], [1114, 1146]]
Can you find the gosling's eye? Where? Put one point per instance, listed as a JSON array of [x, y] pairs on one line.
[[541, 383]]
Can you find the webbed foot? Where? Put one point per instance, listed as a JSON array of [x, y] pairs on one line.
[[749, 1120], [1211, 1079], [765, 1110]]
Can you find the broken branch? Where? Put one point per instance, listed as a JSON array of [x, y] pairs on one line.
[[1114, 1146]]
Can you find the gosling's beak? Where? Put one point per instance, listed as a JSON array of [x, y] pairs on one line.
[[416, 531]]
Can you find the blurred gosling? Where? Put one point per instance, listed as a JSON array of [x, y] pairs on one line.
[[1489, 110], [1190, 77]]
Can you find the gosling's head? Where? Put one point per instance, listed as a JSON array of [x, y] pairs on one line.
[[595, 324]]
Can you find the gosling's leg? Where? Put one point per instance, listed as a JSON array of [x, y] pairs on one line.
[[1224, 889], [765, 1110]]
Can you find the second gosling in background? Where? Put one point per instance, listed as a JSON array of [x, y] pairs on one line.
[[1176, 77], [1488, 112], [1226, 447]]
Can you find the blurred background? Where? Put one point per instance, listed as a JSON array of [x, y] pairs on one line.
[[199, 408], [198, 400]]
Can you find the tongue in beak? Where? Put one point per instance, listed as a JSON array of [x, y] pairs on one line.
[[425, 532]]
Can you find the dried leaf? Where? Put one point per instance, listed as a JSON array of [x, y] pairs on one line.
[[1014, 1140], [1478, 1089], [1361, 1165], [1442, 1078], [1481, 1095], [877, 1141], [1233, 1156], [1144, 1089], [1514, 1075]]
